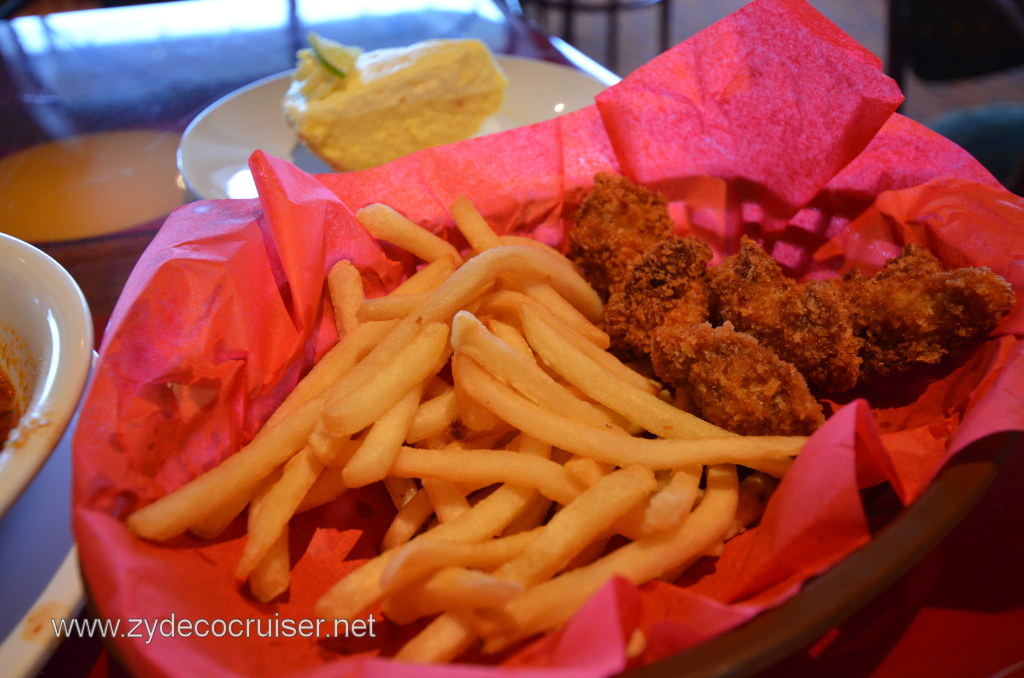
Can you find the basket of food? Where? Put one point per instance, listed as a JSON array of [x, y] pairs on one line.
[[568, 399]]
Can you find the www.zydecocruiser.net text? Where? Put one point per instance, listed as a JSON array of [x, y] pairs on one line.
[[173, 626]]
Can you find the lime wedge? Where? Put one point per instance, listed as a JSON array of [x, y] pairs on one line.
[[336, 58]]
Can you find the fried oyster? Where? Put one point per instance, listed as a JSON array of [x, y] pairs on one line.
[[745, 342], [734, 381], [668, 285], [808, 324], [616, 223], [915, 311]]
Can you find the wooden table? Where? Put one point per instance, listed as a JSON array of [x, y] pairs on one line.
[[92, 106]]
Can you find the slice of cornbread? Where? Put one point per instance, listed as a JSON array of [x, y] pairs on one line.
[[390, 102]]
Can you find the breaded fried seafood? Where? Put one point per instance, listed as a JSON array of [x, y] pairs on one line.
[[807, 324], [734, 381], [914, 311], [616, 223], [745, 343], [666, 286]]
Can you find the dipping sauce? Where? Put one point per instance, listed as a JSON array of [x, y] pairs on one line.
[[9, 414]]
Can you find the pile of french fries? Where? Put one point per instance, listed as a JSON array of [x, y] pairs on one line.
[[527, 465]]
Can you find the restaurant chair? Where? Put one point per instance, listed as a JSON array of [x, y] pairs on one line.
[[560, 17], [944, 41]]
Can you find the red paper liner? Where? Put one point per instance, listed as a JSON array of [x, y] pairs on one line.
[[771, 122]]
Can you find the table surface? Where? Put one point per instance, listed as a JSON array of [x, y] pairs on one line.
[[68, 79]]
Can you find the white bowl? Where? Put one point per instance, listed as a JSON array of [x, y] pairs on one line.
[[46, 342]]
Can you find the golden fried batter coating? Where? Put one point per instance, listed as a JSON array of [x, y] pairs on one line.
[[914, 311], [616, 223], [734, 381], [777, 334], [807, 324], [666, 286]]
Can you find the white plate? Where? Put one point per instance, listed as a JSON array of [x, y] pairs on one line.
[[214, 152], [40, 584]]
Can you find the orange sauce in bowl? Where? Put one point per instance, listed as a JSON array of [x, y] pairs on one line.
[[9, 414]]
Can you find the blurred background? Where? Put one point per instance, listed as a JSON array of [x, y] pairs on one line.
[[960, 62]]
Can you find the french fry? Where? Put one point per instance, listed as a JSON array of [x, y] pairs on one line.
[[468, 282], [511, 336], [776, 467], [509, 239], [473, 226], [535, 446], [210, 492], [329, 485], [411, 517], [401, 490], [586, 470], [337, 362], [360, 589], [269, 517], [532, 517], [508, 302], [616, 419], [435, 386], [472, 414], [272, 575], [385, 223], [606, 446], [429, 555], [549, 341], [372, 460], [667, 506], [565, 535], [332, 451], [433, 416], [504, 305], [636, 644], [483, 467], [405, 298], [477, 273], [457, 291], [590, 553], [444, 639], [502, 436], [555, 259], [564, 311], [471, 338], [578, 524], [453, 588], [551, 603], [354, 410], [345, 286], [446, 499], [429, 277], [380, 355], [215, 523], [540, 507], [283, 434], [755, 490], [391, 307]]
